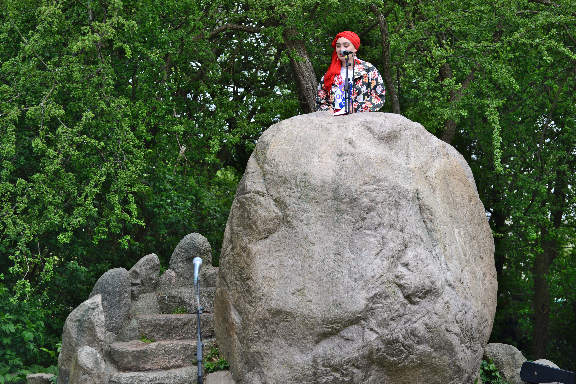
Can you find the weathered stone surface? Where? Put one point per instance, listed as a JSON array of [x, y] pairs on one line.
[[220, 377], [167, 281], [507, 359], [130, 331], [184, 299], [114, 286], [175, 326], [120, 327], [188, 248], [39, 378], [88, 368], [208, 276], [184, 375], [356, 251], [139, 356], [546, 362], [144, 275], [85, 326], [144, 304], [478, 378]]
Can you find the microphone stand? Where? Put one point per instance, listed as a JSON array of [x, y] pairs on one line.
[[348, 106], [347, 90], [199, 344]]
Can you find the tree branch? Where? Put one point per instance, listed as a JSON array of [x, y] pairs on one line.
[[368, 29], [549, 4], [227, 27], [545, 2], [303, 70], [387, 72]]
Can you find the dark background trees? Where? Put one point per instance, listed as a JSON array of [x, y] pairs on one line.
[[125, 125]]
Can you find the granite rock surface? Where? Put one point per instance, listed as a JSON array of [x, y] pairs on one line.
[[357, 250]]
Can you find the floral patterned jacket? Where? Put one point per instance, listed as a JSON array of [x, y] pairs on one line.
[[367, 93]]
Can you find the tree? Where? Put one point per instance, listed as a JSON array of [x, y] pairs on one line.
[[125, 125]]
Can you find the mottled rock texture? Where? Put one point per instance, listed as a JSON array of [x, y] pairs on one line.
[[120, 336], [144, 275], [220, 377], [39, 378], [508, 359], [83, 327], [114, 287], [191, 246], [89, 367], [356, 251]]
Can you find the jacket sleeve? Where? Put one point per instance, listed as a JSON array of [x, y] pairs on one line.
[[322, 97], [374, 92]]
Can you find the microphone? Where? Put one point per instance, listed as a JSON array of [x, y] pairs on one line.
[[197, 263], [347, 53]]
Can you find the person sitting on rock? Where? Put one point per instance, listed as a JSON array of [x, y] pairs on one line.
[[367, 88]]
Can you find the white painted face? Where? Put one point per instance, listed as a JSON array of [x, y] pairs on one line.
[[343, 44]]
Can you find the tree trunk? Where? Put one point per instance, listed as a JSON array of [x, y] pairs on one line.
[[455, 96], [449, 125], [542, 263], [507, 327], [303, 70], [542, 296], [387, 70], [500, 228]]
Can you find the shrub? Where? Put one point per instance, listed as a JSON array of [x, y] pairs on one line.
[[490, 374], [24, 348], [214, 362]]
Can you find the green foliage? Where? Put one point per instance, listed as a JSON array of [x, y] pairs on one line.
[[489, 374], [146, 340], [214, 362], [126, 125], [25, 346], [563, 286], [180, 311]]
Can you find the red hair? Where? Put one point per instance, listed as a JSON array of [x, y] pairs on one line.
[[335, 65]]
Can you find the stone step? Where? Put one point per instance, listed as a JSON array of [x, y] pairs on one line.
[[174, 327], [137, 355], [184, 375], [178, 299], [220, 377]]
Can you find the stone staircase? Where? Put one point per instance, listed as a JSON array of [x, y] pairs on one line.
[[168, 354], [139, 327], [160, 348]]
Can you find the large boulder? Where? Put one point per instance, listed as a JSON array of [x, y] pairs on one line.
[[356, 251], [114, 287], [85, 326]]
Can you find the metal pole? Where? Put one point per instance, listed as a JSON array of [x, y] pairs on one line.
[[346, 90], [199, 344]]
